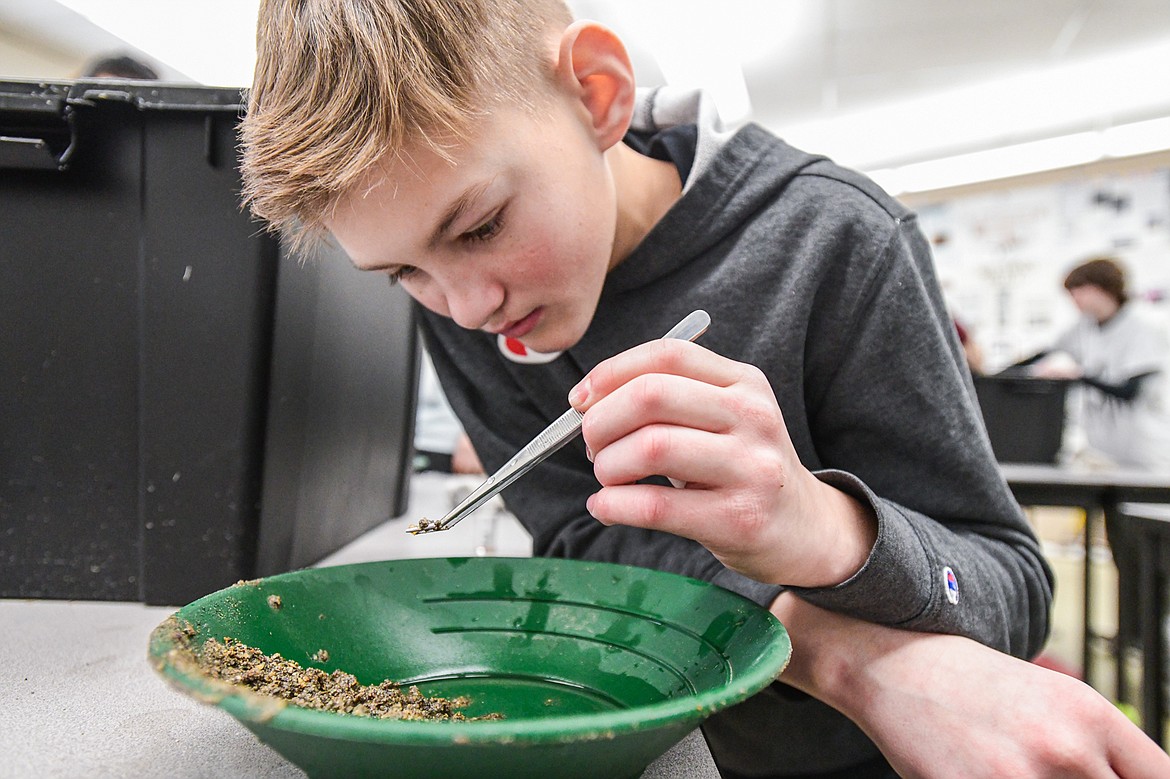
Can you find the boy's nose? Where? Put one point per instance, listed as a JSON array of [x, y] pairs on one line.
[[471, 303]]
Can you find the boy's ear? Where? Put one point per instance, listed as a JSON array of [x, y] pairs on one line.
[[593, 65]]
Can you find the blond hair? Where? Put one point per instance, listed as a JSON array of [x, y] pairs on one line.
[[341, 84]]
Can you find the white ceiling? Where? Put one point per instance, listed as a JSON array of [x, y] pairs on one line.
[[873, 82], [884, 82]]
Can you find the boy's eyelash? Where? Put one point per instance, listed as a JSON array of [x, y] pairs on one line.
[[398, 275], [486, 231]]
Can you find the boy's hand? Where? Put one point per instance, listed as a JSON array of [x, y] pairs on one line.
[[939, 705], [675, 409]]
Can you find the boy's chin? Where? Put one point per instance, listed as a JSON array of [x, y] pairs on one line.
[[549, 343]]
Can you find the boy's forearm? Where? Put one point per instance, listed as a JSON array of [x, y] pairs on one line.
[[815, 668], [937, 704], [833, 655]]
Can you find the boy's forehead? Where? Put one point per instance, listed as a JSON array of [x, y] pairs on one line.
[[417, 177], [403, 199], [411, 193], [409, 168], [419, 168], [436, 171]]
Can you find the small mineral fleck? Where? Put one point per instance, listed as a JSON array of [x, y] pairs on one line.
[[274, 602], [321, 656], [425, 525]]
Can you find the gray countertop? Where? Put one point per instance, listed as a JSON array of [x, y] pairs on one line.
[[78, 697]]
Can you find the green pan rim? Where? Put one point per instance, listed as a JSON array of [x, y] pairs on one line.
[[694, 707]]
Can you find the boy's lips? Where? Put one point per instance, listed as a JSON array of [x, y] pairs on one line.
[[522, 327]]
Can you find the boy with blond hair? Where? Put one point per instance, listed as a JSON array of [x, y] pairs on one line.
[[497, 161]]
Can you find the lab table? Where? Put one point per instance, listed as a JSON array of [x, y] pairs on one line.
[[1100, 492]]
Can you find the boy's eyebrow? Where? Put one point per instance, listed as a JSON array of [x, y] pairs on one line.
[[456, 210]]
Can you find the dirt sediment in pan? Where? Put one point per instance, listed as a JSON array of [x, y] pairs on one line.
[[337, 691]]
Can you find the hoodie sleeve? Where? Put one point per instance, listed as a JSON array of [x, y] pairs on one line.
[[892, 413]]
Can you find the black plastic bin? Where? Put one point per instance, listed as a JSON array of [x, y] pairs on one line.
[[1024, 416], [182, 403]]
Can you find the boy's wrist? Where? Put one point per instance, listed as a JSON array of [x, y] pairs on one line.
[[825, 651], [849, 536], [844, 662]]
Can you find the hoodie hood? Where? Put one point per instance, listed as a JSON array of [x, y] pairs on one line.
[[722, 191]]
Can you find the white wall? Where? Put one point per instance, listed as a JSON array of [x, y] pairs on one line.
[[22, 58]]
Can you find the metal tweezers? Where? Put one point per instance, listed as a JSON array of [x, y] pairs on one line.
[[562, 431]]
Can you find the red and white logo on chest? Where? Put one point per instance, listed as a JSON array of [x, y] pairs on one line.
[[517, 352]]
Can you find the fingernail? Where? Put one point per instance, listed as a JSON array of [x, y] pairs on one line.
[[579, 394], [588, 453], [589, 503]]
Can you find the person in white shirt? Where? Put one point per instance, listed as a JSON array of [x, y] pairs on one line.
[[1120, 355]]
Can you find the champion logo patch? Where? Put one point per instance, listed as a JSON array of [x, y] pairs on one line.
[[518, 352], [951, 583]]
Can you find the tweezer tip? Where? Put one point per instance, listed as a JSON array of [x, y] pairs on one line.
[[425, 525]]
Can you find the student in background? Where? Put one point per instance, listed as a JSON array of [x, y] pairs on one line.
[[1120, 356]]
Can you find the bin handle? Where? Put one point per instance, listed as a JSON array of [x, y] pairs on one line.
[[32, 154]]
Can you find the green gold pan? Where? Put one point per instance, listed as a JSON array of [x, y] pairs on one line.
[[597, 668]]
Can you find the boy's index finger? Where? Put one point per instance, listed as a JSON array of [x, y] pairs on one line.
[[668, 356], [590, 389]]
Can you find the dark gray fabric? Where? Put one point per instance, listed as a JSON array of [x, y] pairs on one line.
[[815, 276]]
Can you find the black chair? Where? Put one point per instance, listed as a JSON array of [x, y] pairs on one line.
[[1147, 527]]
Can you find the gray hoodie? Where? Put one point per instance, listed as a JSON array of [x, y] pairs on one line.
[[815, 276]]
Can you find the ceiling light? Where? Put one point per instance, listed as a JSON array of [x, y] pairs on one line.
[[1022, 158], [1137, 138], [1080, 96]]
